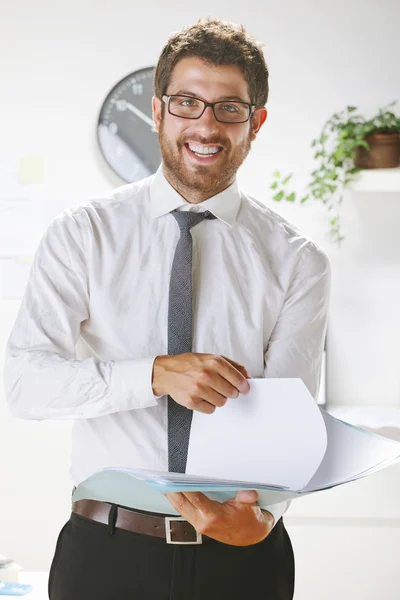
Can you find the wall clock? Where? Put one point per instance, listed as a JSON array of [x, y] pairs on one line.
[[125, 131]]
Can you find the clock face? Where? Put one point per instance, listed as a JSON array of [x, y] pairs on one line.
[[125, 129]]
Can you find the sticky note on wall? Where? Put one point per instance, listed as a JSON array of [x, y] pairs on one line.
[[31, 169]]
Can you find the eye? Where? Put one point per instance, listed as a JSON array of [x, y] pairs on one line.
[[229, 107], [188, 102]]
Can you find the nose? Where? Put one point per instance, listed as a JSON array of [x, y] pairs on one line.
[[208, 114], [207, 121]]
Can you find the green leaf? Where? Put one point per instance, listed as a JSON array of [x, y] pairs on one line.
[[284, 181], [331, 175], [338, 154], [276, 174], [304, 198], [274, 185], [278, 197], [291, 197]]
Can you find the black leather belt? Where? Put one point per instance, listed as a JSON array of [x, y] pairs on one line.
[[175, 530]]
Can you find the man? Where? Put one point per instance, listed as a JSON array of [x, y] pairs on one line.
[[117, 276]]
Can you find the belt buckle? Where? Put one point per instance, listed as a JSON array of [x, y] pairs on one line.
[[199, 537]]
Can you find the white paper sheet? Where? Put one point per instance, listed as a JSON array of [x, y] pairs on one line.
[[14, 274], [22, 208], [275, 434], [351, 453], [279, 429]]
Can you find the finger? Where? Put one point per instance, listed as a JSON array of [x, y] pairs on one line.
[[247, 496], [234, 373], [238, 366], [201, 406], [184, 507], [207, 399], [215, 389], [202, 502]]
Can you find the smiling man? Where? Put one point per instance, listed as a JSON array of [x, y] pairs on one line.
[[178, 288], [203, 148]]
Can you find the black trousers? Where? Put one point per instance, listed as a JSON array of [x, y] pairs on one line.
[[94, 561]]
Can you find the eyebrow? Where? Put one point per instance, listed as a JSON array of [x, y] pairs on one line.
[[187, 93]]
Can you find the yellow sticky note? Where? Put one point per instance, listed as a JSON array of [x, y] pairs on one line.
[[25, 259], [31, 169]]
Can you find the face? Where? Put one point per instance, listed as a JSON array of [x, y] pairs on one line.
[[187, 172]]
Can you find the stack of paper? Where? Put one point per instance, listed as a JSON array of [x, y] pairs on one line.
[[9, 569], [275, 439]]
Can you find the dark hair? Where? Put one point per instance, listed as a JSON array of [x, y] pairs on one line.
[[218, 43]]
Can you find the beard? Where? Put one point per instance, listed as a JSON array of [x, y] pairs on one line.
[[206, 179]]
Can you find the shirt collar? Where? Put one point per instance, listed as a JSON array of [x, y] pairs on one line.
[[164, 198]]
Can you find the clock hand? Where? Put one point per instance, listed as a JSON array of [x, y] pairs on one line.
[[141, 115]]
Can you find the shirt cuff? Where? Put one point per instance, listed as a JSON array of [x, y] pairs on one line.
[[131, 384], [277, 510]]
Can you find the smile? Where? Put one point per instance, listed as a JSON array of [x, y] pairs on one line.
[[203, 154]]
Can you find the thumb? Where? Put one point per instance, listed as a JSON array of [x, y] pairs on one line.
[[247, 496]]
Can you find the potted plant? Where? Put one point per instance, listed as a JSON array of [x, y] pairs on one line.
[[347, 144]]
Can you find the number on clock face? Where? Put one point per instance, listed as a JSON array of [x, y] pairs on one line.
[[125, 130]]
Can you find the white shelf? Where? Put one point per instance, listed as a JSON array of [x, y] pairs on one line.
[[376, 180]]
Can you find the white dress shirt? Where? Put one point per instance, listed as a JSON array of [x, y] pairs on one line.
[[94, 315]]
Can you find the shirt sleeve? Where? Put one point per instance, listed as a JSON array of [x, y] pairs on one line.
[[277, 510], [42, 378], [296, 346]]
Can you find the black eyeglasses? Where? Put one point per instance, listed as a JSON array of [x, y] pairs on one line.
[[225, 111]]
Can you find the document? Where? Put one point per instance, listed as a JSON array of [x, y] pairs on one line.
[[22, 205], [275, 440], [14, 275]]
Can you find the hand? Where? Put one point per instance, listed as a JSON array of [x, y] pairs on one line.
[[238, 521], [199, 381]]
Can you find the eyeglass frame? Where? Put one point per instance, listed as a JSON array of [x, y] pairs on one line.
[[167, 99]]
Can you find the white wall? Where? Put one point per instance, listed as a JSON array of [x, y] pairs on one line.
[[57, 64]]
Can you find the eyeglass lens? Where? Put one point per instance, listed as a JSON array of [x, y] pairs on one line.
[[191, 108]]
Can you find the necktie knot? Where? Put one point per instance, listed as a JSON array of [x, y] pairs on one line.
[[187, 219]]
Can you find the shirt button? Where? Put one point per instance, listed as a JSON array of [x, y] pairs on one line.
[[194, 209]]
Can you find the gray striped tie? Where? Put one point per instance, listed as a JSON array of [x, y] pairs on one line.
[[180, 332]]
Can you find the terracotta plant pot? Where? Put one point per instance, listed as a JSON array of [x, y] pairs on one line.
[[384, 152]]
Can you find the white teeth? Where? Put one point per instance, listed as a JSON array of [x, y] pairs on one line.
[[203, 149]]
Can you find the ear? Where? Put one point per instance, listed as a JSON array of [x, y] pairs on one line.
[[258, 119], [156, 107]]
